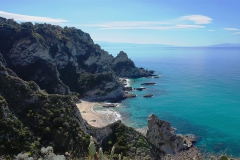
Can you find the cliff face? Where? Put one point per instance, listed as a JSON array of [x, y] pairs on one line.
[[161, 134], [57, 58], [125, 67]]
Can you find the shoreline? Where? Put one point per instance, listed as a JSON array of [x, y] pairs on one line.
[[103, 116], [92, 117], [99, 120]]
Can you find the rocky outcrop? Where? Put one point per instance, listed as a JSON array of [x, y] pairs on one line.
[[128, 95], [148, 83], [112, 91], [125, 139], [139, 88], [147, 95], [56, 58], [125, 67], [162, 135]]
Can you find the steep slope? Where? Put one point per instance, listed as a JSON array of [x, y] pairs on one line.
[[31, 119], [61, 60], [58, 59], [125, 67]]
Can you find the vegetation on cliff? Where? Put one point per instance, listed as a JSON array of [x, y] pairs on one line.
[[126, 140], [61, 60], [31, 118], [48, 64]]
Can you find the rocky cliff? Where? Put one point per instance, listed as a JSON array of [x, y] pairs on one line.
[[31, 118], [64, 60], [58, 59], [125, 67], [162, 135]]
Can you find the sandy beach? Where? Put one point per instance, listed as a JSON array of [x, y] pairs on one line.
[[93, 118]]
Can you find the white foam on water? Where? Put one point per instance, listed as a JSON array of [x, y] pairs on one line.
[[110, 113], [128, 83]]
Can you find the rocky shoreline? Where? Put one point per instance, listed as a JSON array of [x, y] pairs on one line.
[[160, 132], [44, 70]]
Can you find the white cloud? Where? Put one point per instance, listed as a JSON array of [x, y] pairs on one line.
[[21, 17], [143, 25], [231, 29], [236, 33], [197, 19], [185, 22], [189, 26]]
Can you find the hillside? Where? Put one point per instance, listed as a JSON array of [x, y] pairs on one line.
[[44, 69], [63, 60]]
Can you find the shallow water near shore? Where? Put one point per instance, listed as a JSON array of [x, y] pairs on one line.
[[110, 113], [198, 92]]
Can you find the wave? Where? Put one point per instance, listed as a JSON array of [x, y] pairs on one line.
[[110, 113]]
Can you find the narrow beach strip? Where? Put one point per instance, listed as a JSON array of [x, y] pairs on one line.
[[93, 118]]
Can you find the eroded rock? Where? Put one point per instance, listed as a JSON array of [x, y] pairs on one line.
[[162, 135]]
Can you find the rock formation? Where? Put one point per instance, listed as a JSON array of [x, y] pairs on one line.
[[148, 83], [62, 60], [162, 135], [147, 95], [125, 67], [39, 57]]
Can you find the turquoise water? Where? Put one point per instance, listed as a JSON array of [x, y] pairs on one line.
[[198, 92]]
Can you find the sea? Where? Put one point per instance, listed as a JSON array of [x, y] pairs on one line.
[[198, 92]]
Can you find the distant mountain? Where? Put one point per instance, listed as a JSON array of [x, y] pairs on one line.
[[111, 44], [226, 45], [126, 45]]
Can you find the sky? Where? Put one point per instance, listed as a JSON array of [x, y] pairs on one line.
[[170, 22]]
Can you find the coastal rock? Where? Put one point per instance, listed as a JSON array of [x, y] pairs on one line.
[[128, 88], [147, 95], [125, 67], [162, 135], [139, 89], [58, 58], [148, 83], [130, 95], [113, 91]]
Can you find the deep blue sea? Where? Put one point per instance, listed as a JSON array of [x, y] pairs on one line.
[[198, 92]]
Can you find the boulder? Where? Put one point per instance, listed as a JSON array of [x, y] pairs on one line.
[[130, 95], [148, 83], [147, 95], [140, 88]]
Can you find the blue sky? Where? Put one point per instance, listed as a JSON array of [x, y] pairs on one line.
[[172, 22]]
